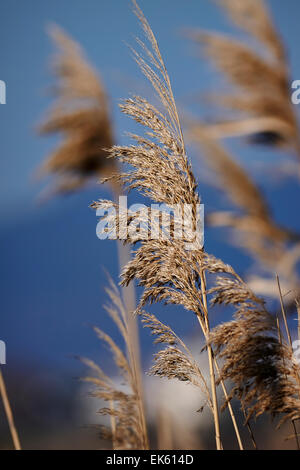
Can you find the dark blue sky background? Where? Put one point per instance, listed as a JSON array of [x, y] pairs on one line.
[[52, 274]]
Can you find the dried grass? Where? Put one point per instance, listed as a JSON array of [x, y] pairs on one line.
[[261, 90], [258, 364], [258, 70], [275, 248], [253, 353], [125, 406], [166, 269], [81, 115], [261, 367]]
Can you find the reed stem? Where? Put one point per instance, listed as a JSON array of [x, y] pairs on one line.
[[9, 414], [291, 346], [211, 367], [129, 298]]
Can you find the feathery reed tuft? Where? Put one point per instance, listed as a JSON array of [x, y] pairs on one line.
[[175, 361], [81, 115], [260, 100], [252, 222], [260, 365]]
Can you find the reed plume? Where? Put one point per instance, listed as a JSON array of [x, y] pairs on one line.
[[240, 189], [274, 247], [124, 404], [176, 360], [255, 356], [261, 105], [81, 115], [260, 100], [265, 113], [265, 376]]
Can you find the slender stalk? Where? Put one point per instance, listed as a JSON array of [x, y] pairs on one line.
[[250, 429], [285, 321], [294, 423], [290, 344], [129, 298], [280, 340], [211, 366], [234, 422], [283, 313], [9, 414], [236, 429], [298, 311], [112, 422], [206, 335]]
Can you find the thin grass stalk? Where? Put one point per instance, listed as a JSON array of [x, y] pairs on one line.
[[231, 412], [295, 434], [290, 343], [283, 313], [232, 415], [9, 414], [211, 367], [112, 422], [134, 352], [248, 425], [136, 366], [129, 298]]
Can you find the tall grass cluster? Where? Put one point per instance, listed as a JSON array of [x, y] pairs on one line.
[[251, 364], [250, 358]]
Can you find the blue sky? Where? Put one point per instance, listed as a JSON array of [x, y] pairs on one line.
[[52, 273]]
